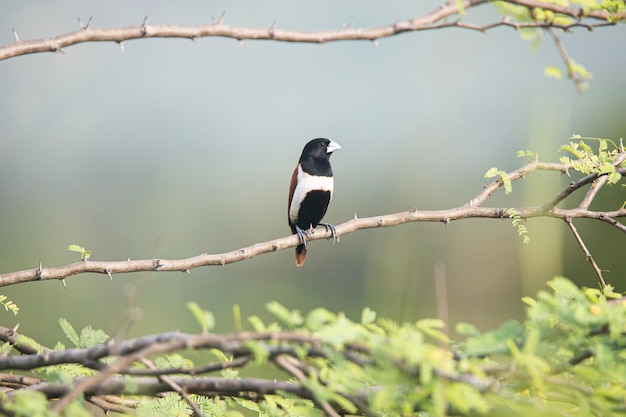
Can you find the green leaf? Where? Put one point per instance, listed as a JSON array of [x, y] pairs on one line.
[[579, 70], [430, 327], [9, 305], [290, 318], [204, 318], [90, 337], [528, 154], [84, 253], [257, 324], [76, 248], [170, 405], [27, 341], [504, 177], [573, 148], [495, 341], [259, 352], [174, 360], [319, 318], [553, 72], [237, 318], [461, 9], [250, 405], [69, 331], [492, 172], [614, 178], [29, 403], [368, 316], [230, 373], [6, 348], [467, 329]]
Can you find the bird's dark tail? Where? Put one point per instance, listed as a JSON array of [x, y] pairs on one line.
[[300, 255]]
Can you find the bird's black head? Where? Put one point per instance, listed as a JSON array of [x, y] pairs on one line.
[[319, 148]]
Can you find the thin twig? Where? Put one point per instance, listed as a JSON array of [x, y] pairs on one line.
[[582, 245], [576, 78], [107, 406]]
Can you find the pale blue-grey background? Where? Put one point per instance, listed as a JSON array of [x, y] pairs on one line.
[[174, 148]]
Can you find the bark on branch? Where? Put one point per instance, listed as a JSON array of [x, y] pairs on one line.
[[472, 209], [436, 19]]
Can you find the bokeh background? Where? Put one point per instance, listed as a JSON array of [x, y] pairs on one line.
[[175, 148]]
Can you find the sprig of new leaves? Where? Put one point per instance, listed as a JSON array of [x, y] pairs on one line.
[[586, 161], [518, 221], [9, 305], [85, 254], [589, 162]]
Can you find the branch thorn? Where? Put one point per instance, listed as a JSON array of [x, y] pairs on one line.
[[17, 38], [38, 271], [63, 281], [221, 19], [121, 46], [85, 26], [270, 31], [144, 25], [108, 271]]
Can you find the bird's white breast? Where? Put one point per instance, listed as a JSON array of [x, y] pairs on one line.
[[306, 183]]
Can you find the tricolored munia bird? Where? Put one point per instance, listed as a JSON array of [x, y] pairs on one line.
[[310, 192]]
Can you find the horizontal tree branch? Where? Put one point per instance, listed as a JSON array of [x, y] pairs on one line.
[[200, 385], [472, 209], [436, 19], [231, 344]]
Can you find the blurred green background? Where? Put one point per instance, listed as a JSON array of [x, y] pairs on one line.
[[175, 148]]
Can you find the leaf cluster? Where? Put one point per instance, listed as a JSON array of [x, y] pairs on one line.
[[566, 358], [586, 161]]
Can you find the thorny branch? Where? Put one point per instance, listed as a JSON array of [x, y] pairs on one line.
[[472, 209], [439, 18]]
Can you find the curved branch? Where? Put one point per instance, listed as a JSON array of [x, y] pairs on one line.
[[429, 21], [472, 209]]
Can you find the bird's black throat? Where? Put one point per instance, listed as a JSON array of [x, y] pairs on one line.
[[317, 166]]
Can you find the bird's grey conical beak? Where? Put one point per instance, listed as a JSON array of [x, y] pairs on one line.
[[332, 147]]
